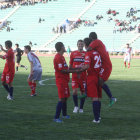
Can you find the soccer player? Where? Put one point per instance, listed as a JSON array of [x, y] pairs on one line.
[[127, 55], [19, 53], [9, 69], [77, 59], [106, 69], [93, 67], [62, 79], [35, 71]]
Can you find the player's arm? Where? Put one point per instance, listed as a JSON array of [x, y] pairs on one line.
[[74, 70], [31, 67], [3, 49], [71, 68], [22, 52], [1, 56], [4, 56], [16, 52]]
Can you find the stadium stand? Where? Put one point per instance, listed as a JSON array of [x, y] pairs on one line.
[[26, 26]]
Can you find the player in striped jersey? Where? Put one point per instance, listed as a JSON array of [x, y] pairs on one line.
[[36, 69]]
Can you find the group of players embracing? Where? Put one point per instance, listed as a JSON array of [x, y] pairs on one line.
[[90, 70]]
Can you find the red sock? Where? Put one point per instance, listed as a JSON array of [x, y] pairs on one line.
[[30, 84], [125, 64], [128, 65], [33, 88]]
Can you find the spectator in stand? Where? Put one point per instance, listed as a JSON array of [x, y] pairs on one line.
[[114, 30], [114, 13], [139, 28], [39, 21], [8, 29], [57, 29], [30, 44], [109, 11], [53, 30], [61, 29], [64, 28]]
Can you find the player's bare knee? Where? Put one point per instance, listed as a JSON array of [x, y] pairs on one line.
[[3, 83], [101, 81], [74, 91], [95, 99]]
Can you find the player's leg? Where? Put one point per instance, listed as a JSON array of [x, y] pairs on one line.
[[3, 81], [17, 63], [23, 66], [64, 101], [82, 100], [75, 96], [96, 105], [64, 109], [11, 89], [105, 87], [58, 110], [75, 100], [37, 74], [104, 77], [32, 85], [84, 94], [92, 91], [9, 81], [129, 62], [33, 88], [109, 94], [62, 105], [125, 59]]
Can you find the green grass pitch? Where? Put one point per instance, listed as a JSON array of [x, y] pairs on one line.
[[31, 118]]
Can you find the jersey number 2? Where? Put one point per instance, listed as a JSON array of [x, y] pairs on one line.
[[98, 61]]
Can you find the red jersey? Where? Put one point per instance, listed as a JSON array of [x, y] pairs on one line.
[[92, 58], [77, 59], [98, 46], [10, 61], [60, 64]]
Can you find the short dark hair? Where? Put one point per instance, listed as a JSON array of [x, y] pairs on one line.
[[93, 35], [80, 40], [17, 45], [87, 41], [27, 47], [8, 43], [58, 46]]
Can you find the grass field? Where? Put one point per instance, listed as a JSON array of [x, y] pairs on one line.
[[31, 118]]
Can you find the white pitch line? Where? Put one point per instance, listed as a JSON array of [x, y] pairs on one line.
[[41, 82]]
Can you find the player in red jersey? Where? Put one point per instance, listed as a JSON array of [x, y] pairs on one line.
[[9, 69], [93, 67], [106, 69], [62, 79], [77, 59]]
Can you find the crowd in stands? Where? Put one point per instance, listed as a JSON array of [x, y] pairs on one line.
[[113, 12], [124, 25], [68, 25], [5, 5], [87, 0]]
